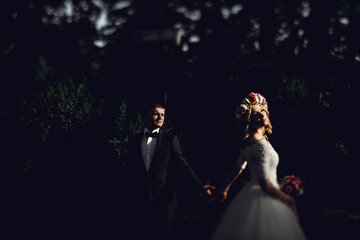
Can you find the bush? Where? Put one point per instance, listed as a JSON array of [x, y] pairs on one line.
[[124, 128], [61, 109]]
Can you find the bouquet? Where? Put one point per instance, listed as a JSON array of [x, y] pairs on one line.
[[292, 185]]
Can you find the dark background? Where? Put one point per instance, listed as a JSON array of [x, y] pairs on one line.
[[68, 105]]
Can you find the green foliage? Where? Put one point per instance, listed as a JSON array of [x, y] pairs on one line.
[[334, 145], [124, 128], [61, 109], [293, 88]]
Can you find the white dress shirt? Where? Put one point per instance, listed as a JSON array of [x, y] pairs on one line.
[[148, 145]]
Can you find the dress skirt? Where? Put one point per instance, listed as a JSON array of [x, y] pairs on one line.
[[254, 214]]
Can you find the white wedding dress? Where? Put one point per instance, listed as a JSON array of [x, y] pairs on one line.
[[254, 214]]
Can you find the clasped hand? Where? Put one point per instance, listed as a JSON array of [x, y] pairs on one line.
[[209, 194]]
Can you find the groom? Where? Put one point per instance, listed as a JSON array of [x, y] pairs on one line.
[[155, 166]]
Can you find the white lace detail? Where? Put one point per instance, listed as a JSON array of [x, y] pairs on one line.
[[262, 160]]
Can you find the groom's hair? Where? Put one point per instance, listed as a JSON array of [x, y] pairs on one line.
[[150, 106]]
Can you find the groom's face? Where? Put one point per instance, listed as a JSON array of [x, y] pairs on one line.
[[155, 118]]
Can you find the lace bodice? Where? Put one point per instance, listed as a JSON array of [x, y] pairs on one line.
[[262, 160]]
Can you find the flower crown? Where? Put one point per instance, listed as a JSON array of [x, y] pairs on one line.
[[251, 99]]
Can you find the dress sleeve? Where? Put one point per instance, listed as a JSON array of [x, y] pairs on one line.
[[241, 163]]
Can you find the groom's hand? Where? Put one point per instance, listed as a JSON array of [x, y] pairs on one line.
[[207, 192]]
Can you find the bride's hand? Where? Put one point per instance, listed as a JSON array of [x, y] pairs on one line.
[[290, 201], [219, 196], [224, 195]]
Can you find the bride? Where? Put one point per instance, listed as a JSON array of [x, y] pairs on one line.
[[260, 210]]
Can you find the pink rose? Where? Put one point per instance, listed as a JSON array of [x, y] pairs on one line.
[[289, 189]]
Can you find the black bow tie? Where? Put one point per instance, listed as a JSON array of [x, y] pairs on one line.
[[153, 135]]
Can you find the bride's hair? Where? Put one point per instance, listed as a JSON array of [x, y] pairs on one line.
[[244, 125], [243, 117]]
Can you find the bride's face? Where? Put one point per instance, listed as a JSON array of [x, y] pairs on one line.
[[259, 117]]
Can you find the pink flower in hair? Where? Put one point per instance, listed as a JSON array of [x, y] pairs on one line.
[[251, 99]]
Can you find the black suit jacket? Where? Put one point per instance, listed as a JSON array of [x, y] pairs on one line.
[[156, 188]]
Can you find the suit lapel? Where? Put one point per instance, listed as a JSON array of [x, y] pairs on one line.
[[159, 145], [140, 158]]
